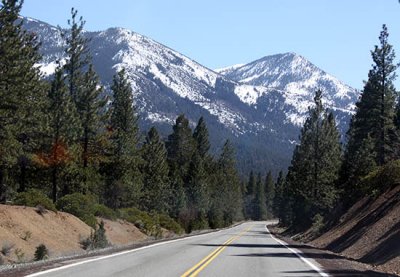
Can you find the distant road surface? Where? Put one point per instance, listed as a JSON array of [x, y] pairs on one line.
[[244, 250]]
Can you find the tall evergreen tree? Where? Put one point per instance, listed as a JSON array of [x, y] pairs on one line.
[[64, 129], [260, 211], [249, 196], [315, 165], [278, 197], [22, 94], [86, 93], [198, 192], [269, 193], [251, 185], [200, 135], [229, 188], [375, 110], [372, 136], [181, 147], [77, 51], [90, 105], [124, 181], [156, 187]]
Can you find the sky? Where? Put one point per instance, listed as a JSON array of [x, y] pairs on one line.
[[335, 35]]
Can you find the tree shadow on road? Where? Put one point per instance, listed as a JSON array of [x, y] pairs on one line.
[[310, 252], [339, 273], [250, 245]]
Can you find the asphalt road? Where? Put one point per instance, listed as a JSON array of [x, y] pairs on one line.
[[244, 250]]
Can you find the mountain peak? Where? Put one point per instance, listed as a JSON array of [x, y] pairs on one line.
[[296, 78]]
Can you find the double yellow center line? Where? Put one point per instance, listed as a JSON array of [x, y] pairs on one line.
[[195, 270]]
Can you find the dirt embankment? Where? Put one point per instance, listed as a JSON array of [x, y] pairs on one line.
[[22, 229], [369, 232]]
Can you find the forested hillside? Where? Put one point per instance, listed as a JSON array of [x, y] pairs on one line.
[[64, 138]]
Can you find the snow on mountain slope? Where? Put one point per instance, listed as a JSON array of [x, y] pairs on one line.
[[297, 79], [150, 66], [140, 56], [260, 105], [226, 69]]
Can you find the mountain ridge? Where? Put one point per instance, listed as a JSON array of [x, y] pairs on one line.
[[262, 120]]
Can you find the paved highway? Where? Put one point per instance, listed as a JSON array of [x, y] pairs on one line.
[[244, 250]]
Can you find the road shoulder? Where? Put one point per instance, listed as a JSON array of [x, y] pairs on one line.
[[332, 263]]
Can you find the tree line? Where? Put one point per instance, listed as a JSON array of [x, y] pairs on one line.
[[67, 135], [326, 177]]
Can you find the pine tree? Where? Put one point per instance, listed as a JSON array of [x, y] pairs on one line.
[[229, 185], [200, 135], [87, 95], [269, 193], [180, 147], [198, 192], [260, 211], [64, 129], [90, 105], [249, 196], [278, 198], [251, 185], [372, 129], [330, 161], [77, 51], [375, 111], [124, 181], [201, 171], [156, 187], [315, 165], [288, 201], [23, 99]]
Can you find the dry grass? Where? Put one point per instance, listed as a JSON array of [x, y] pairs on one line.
[[24, 228]]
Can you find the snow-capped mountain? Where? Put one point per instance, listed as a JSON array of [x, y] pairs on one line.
[[296, 78], [260, 105]]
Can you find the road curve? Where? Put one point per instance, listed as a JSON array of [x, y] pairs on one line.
[[245, 250]]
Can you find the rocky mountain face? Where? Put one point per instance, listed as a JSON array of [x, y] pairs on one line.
[[260, 106]]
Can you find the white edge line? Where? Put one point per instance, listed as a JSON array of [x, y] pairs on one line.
[[116, 254], [299, 254]]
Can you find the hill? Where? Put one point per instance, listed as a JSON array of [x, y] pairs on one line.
[[22, 229]]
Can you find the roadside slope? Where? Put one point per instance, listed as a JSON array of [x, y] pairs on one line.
[[22, 229], [369, 232]]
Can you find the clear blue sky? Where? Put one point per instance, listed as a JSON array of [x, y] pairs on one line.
[[335, 35]]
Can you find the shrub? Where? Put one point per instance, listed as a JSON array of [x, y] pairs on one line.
[[318, 224], [170, 224], [142, 220], [104, 212], [86, 242], [199, 224], [381, 179], [34, 198], [81, 206], [20, 255], [27, 235], [96, 240], [6, 248], [41, 252], [1, 260], [40, 209]]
